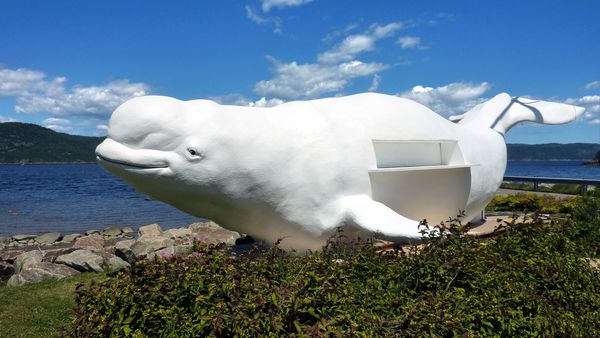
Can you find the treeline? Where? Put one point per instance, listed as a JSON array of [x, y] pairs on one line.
[[30, 143]]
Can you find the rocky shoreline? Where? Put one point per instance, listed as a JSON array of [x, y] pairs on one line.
[[33, 258]]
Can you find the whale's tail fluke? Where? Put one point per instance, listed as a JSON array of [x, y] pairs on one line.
[[503, 111]]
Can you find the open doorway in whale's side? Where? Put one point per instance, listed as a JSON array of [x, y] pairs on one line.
[[421, 179]]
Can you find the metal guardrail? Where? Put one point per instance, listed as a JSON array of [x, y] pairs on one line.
[[585, 183]]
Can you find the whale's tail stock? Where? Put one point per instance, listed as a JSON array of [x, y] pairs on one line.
[[503, 111]]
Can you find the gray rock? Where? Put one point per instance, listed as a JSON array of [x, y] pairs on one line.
[[150, 230], [91, 232], [115, 263], [82, 260], [20, 238], [28, 258], [112, 231], [6, 270], [123, 250], [94, 240], [177, 233], [4, 240], [49, 238], [40, 271], [146, 245], [70, 238], [127, 231], [211, 233], [51, 254]]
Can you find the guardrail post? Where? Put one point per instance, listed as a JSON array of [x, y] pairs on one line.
[[536, 186]]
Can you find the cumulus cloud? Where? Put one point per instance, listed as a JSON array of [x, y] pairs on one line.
[[593, 85], [375, 83], [333, 71], [240, 100], [102, 127], [35, 93], [591, 103], [295, 80], [6, 119], [451, 99], [355, 44], [58, 124], [267, 5], [408, 42], [56, 120]]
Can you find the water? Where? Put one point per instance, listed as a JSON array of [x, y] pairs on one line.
[[73, 198], [555, 169], [77, 197]]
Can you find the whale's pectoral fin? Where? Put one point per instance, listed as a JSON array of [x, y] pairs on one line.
[[380, 220]]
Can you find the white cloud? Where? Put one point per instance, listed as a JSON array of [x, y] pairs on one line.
[[451, 99], [102, 127], [59, 128], [407, 42], [55, 120], [593, 85], [254, 17], [355, 44], [35, 93], [591, 103], [267, 5], [375, 83], [595, 121], [295, 80], [6, 119], [264, 102], [240, 100], [333, 70]]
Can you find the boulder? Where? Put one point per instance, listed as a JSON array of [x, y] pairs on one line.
[[123, 250], [112, 231], [94, 240], [4, 240], [21, 238], [146, 245], [82, 260], [40, 271], [10, 255], [211, 233], [28, 258], [70, 238], [128, 231], [51, 254], [150, 230], [6, 270], [49, 238], [91, 232], [177, 233], [115, 263]]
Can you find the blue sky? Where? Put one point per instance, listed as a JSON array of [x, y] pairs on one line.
[[68, 64]]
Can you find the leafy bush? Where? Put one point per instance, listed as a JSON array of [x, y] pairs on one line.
[[586, 222], [527, 280], [532, 202]]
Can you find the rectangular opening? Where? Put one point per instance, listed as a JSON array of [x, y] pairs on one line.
[[402, 153]]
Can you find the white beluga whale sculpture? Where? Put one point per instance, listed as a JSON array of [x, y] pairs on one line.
[[371, 163]]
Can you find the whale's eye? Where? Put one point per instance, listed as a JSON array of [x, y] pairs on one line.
[[193, 153]]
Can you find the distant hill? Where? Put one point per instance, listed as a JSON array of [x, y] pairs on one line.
[[24, 142], [552, 151]]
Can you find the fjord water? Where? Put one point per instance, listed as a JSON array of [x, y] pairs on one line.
[[73, 198]]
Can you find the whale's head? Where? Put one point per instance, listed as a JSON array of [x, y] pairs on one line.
[[164, 148]]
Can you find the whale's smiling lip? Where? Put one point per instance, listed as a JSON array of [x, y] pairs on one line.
[[128, 164], [113, 154]]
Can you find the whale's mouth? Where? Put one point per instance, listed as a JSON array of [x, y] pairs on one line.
[[113, 154], [129, 164]]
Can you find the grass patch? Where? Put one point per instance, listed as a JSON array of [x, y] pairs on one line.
[[38, 310]]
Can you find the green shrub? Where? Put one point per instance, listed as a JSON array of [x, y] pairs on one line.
[[529, 202], [528, 280], [586, 222]]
